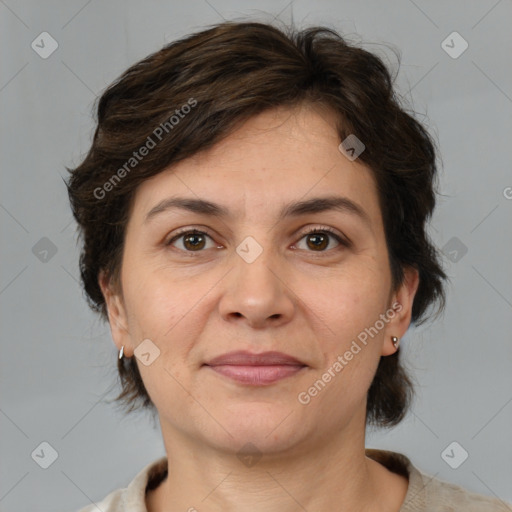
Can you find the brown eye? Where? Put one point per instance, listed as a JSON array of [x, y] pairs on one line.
[[192, 240], [318, 240]]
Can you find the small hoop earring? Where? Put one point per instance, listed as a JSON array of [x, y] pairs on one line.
[[121, 352], [395, 341]]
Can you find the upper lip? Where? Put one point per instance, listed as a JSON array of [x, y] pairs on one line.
[[244, 358]]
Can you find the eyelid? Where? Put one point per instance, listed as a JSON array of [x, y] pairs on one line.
[[340, 237], [326, 229], [189, 229]]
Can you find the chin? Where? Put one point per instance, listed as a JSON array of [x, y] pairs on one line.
[[270, 427]]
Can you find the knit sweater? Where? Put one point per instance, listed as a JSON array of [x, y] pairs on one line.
[[424, 494]]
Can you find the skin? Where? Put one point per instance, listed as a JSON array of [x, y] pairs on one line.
[[305, 301]]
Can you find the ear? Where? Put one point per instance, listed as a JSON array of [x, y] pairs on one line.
[[117, 316], [401, 304]]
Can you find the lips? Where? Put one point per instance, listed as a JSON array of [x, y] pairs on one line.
[[255, 369], [242, 358]]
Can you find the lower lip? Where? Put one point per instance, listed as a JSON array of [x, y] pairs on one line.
[[257, 375]]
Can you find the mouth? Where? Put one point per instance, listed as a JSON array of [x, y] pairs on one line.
[[256, 369]]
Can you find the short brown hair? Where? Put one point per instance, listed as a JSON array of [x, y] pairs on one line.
[[234, 71]]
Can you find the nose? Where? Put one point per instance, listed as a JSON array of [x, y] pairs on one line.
[[257, 293]]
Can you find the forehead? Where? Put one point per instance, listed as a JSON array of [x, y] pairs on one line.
[[275, 158]]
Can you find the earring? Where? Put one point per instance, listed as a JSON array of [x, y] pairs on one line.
[[395, 341], [121, 352]]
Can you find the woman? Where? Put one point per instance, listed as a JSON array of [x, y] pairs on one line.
[[253, 213]]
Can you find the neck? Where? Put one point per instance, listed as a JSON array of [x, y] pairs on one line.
[[334, 475]]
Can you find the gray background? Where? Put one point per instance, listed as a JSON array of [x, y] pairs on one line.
[[58, 361]]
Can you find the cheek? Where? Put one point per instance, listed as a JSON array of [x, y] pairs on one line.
[[350, 302], [163, 311], [158, 307]]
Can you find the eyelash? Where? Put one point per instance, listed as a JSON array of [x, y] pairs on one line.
[[321, 230]]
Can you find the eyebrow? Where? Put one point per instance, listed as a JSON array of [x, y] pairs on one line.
[[295, 209]]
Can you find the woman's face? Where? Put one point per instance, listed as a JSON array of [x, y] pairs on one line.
[[254, 281]]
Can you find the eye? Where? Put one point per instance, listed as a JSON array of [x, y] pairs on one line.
[[318, 239], [193, 240]]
